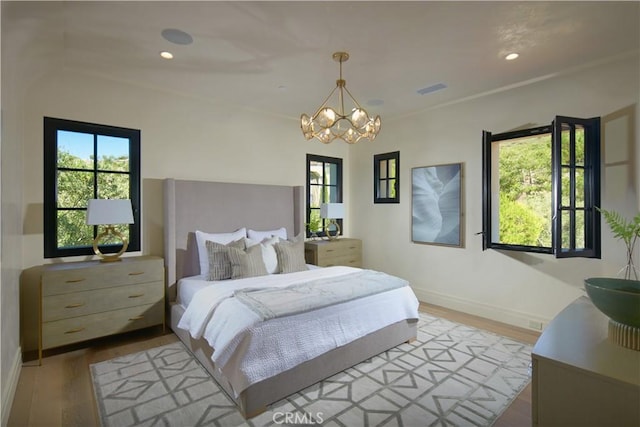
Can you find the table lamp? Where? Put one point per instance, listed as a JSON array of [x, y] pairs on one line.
[[109, 212], [332, 211]]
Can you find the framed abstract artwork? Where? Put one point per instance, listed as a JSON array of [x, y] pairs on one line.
[[436, 205]]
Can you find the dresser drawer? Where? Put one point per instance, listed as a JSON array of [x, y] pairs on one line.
[[63, 306], [78, 277], [68, 331]]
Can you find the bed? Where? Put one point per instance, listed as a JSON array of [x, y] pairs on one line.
[[222, 207]]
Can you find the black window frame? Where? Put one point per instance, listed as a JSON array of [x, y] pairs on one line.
[[339, 191], [592, 188], [50, 208], [379, 181]]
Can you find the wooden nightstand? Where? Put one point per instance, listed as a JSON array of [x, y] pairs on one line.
[[325, 253], [85, 300]]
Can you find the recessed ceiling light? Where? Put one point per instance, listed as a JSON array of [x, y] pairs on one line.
[[166, 55], [511, 56]]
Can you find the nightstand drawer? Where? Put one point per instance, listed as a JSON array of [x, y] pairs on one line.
[[327, 253], [63, 306], [77, 277], [67, 331], [349, 260]]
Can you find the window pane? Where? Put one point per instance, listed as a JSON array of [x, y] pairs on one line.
[[579, 188], [566, 187], [113, 186], [383, 170], [315, 172], [523, 175], [331, 174], [580, 230], [72, 230], [392, 168], [74, 189], [392, 188], [75, 150], [580, 145], [331, 195], [315, 196], [382, 189], [113, 153], [315, 222]]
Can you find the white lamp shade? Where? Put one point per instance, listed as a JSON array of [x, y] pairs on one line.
[[332, 210], [109, 212]]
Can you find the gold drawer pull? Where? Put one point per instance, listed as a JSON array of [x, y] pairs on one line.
[[136, 318], [74, 305], [329, 250], [136, 296], [136, 273], [74, 280], [73, 331]]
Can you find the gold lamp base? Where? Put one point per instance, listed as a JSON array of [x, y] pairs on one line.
[[327, 230], [110, 230]]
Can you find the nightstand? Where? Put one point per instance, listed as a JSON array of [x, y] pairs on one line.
[[326, 253], [80, 301]]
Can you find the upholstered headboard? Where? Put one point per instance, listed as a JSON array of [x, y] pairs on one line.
[[219, 207]]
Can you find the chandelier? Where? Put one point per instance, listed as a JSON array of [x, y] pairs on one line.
[[328, 123]]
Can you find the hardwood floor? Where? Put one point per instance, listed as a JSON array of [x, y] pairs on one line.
[[59, 393]]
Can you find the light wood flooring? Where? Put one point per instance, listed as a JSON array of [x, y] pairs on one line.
[[59, 393]]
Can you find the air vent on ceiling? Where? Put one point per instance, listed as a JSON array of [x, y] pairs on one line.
[[430, 89]]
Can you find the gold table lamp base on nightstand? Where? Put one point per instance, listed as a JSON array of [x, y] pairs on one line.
[[327, 232]]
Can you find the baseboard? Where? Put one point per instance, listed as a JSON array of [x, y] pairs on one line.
[[499, 314], [9, 391]]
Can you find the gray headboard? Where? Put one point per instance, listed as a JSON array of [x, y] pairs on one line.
[[220, 207]]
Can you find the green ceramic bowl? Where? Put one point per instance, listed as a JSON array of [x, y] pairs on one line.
[[617, 298]]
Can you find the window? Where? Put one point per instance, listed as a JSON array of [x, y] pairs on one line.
[[324, 185], [541, 187], [85, 161], [386, 178]]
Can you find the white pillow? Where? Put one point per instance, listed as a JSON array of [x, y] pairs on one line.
[[259, 236], [222, 238], [268, 252]]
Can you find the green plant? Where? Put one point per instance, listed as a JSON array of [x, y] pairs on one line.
[[628, 231]]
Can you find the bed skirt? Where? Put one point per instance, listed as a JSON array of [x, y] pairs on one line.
[[255, 399]]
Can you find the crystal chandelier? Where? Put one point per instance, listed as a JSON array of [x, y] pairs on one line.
[[328, 124]]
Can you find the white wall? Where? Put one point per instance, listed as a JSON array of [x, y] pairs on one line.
[[509, 286], [182, 137]]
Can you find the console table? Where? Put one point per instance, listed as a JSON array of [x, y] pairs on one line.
[[580, 377]]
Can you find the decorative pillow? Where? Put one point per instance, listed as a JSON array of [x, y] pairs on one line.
[[268, 252], [222, 238], [259, 236], [219, 264], [247, 263], [290, 254]]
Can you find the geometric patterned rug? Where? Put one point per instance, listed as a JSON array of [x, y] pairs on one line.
[[452, 375]]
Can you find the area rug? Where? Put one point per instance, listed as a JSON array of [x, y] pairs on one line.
[[452, 375]]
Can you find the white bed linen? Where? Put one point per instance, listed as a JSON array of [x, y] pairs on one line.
[[248, 350]]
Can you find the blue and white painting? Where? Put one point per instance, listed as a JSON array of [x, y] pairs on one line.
[[436, 204]]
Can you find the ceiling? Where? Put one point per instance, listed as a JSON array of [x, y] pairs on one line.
[[276, 57]]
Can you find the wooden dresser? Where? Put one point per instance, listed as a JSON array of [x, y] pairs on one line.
[[325, 253], [580, 377], [84, 300]]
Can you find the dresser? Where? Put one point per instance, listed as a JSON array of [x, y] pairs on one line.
[[325, 253], [85, 300], [580, 377]]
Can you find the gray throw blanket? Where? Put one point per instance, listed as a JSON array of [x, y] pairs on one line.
[[277, 302]]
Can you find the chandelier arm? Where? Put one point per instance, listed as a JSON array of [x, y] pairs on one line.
[[353, 99], [323, 103]]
